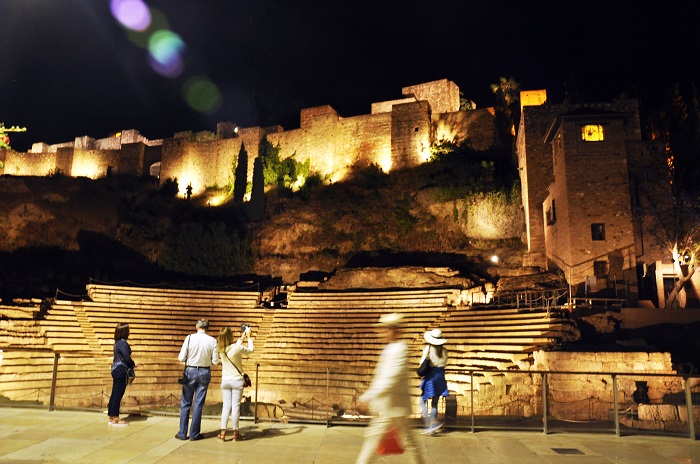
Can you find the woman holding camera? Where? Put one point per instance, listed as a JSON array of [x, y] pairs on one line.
[[232, 376]]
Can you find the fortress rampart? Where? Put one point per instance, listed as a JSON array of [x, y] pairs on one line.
[[396, 134]]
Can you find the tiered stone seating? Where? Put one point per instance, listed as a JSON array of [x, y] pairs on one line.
[[335, 330], [159, 319], [496, 339], [321, 349]]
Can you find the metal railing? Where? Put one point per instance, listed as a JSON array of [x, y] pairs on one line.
[[479, 399]]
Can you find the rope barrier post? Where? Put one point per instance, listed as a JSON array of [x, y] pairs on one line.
[[544, 403], [54, 374], [689, 405], [616, 406], [255, 413]]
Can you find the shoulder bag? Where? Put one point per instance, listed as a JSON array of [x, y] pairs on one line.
[[246, 379], [424, 367], [130, 374]]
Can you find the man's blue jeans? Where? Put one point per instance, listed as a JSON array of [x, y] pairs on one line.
[[193, 392]]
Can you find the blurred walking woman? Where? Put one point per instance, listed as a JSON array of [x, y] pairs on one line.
[[232, 376], [122, 361], [433, 385]]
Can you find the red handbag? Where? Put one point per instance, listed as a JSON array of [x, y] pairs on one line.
[[390, 443]]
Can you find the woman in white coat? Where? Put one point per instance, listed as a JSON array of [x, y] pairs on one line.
[[232, 380]]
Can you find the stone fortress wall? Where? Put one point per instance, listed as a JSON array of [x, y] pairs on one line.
[[396, 134]]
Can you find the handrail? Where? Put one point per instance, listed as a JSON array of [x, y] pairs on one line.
[[334, 385]]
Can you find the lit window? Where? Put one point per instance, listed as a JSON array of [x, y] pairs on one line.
[[598, 231], [592, 133]]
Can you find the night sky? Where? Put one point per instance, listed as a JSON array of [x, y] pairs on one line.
[[71, 68]]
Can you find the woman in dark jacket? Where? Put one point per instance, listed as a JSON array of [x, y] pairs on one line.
[[122, 361]]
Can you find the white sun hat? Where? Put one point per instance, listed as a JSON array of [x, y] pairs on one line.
[[390, 320], [434, 337]]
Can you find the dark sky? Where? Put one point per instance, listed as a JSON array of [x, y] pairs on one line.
[[69, 68]]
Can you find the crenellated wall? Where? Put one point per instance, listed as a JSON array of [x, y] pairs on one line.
[[396, 134]]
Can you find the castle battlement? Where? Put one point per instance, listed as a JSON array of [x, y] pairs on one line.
[[395, 134]]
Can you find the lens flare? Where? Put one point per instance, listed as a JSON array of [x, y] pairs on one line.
[[132, 14], [171, 69], [202, 95], [165, 46]]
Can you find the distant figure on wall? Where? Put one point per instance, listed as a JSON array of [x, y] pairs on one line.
[[433, 385], [188, 191], [388, 395], [198, 352], [121, 362], [232, 380]]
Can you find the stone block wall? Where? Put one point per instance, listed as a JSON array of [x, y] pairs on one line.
[[94, 163], [474, 128], [442, 94], [28, 164], [410, 134], [590, 397], [335, 146]]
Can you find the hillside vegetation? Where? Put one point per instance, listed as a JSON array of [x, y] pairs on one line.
[[58, 232]]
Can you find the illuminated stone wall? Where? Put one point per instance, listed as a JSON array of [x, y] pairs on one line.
[[590, 397], [396, 134], [442, 94], [28, 164]]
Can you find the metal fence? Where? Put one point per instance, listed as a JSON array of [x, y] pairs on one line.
[[622, 403]]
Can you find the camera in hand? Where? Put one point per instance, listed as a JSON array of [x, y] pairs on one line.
[[244, 327]]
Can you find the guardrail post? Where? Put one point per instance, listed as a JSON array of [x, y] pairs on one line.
[[471, 391], [328, 393], [544, 402], [689, 405], [255, 412], [616, 406], [54, 374]]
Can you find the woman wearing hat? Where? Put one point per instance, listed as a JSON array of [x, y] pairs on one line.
[[433, 385]]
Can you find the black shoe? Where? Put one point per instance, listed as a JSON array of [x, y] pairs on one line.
[[180, 437], [199, 436]]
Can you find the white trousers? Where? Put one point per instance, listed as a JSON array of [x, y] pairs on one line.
[[231, 393]]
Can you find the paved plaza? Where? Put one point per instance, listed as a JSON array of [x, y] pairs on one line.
[[40, 436]]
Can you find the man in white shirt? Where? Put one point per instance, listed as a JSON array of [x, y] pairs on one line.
[[388, 394], [198, 352]]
